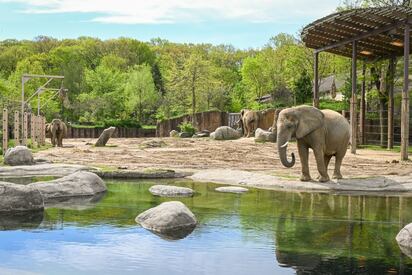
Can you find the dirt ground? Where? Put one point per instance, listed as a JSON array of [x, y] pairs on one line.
[[199, 154]]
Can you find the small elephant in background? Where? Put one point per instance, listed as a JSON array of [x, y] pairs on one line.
[[250, 121], [56, 130]]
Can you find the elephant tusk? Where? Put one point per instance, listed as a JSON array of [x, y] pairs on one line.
[[284, 145]]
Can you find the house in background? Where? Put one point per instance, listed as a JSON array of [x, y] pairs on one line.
[[331, 87]]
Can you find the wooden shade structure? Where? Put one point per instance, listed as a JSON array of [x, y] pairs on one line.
[[368, 34]]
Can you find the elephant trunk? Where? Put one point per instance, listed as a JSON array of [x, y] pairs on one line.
[[282, 142]]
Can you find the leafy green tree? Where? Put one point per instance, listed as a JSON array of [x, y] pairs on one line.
[[303, 88], [140, 95]]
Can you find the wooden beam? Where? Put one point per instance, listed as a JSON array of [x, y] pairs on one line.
[[316, 80], [362, 106], [359, 37], [391, 83], [353, 122], [405, 97]]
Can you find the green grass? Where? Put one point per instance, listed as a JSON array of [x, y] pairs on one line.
[[396, 149], [148, 126]]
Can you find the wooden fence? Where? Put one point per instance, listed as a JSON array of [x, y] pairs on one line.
[[120, 132]]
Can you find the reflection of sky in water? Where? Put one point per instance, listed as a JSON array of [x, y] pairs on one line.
[[110, 250], [253, 233]]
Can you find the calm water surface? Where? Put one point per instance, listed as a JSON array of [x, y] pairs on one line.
[[260, 232]]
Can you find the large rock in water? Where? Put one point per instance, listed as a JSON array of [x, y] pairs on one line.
[[171, 191], [16, 197], [232, 189], [171, 220], [75, 185], [404, 239], [19, 155], [225, 133], [263, 136]]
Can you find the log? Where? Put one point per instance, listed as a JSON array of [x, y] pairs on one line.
[[105, 136]]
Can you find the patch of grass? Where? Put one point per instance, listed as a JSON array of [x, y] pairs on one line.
[[148, 126], [396, 149], [106, 168]]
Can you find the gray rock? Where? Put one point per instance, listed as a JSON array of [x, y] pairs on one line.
[[174, 133], [171, 191], [75, 185], [263, 136], [152, 143], [19, 155], [232, 189], [56, 169], [185, 135], [16, 197], [105, 136], [404, 239], [226, 133], [171, 220], [201, 134], [21, 220]]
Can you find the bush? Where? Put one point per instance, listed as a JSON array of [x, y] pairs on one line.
[[187, 127], [332, 105], [128, 123]]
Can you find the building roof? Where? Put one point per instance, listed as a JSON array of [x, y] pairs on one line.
[[325, 84], [379, 32]]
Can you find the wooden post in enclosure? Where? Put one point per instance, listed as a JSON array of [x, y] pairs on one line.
[[405, 97], [5, 130], [38, 141], [33, 128], [391, 84], [353, 101], [16, 127], [42, 131], [25, 121], [362, 107]]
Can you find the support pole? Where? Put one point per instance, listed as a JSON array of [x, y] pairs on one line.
[[405, 98], [390, 101], [353, 120], [316, 80], [16, 128], [362, 106], [24, 137], [22, 108]]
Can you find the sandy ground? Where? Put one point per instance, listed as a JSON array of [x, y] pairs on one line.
[[199, 154]]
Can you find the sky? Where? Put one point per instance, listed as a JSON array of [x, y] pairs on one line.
[[242, 23]]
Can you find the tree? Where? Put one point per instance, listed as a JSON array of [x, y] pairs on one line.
[[140, 93], [303, 88]]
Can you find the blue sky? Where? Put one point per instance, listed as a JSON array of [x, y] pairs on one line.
[[242, 23]]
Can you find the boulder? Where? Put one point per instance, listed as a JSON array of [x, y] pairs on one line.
[[232, 189], [226, 133], [171, 220], [185, 135], [16, 197], [201, 134], [21, 220], [174, 133], [404, 239], [105, 136], [19, 155], [152, 143], [263, 136], [75, 185], [171, 191]]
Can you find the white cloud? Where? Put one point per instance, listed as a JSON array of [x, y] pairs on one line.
[[183, 11]]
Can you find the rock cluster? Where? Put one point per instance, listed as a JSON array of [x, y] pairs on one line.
[[263, 136], [226, 133], [19, 155]]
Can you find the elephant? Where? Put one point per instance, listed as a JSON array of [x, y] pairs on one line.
[[57, 130], [250, 121], [326, 132]]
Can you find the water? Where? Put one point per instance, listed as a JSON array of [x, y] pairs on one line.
[[260, 232]]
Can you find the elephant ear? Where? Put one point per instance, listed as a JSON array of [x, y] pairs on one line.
[[310, 119]]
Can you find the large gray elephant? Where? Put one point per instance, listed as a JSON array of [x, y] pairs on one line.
[[250, 121], [57, 130], [326, 132]]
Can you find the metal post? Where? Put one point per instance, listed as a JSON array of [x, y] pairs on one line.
[[16, 127], [316, 80], [362, 106], [390, 101], [353, 100], [405, 98]]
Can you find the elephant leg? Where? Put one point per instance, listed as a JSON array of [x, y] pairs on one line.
[[338, 163], [304, 160], [327, 160], [59, 142], [320, 162], [53, 141], [248, 129]]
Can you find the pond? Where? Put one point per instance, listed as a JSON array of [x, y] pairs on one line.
[[259, 232]]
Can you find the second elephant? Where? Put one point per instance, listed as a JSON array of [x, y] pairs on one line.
[[56, 130], [250, 121]]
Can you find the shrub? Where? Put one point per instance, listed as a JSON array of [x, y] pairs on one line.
[[187, 127]]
